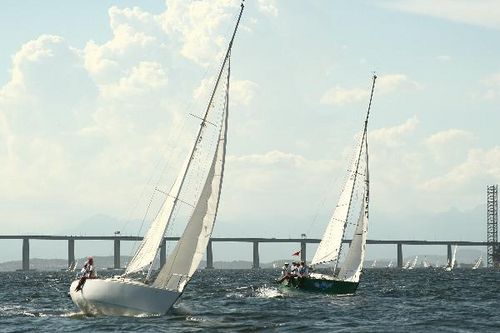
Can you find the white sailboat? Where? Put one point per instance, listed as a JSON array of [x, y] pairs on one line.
[[478, 263], [390, 264], [374, 264], [328, 251], [452, 262], [425, 264], [125, 295], [413, 263]]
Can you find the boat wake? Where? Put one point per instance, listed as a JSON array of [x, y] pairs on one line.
[[268, 292]]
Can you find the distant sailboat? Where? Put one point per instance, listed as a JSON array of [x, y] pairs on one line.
[[390, 264], [407, 265], [478, 263], [425, 264], [374, 264], [413, 263], [127, 295], [452, 262], [347, 279]]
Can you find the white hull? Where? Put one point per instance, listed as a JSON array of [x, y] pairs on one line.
[[121, 297]]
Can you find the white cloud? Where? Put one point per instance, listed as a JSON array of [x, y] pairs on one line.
[[450, 146], [385, 84], [342, 96], [485, 13], [137, 36], [243, 91], [395, 82], [449, 136], [481, 167], [394, 136], [268, 7], [199, 26]]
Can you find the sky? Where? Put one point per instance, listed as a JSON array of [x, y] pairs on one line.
[[95, 100]]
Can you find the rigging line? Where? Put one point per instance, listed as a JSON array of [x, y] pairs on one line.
[[177, 198], [360, 151], [203, 120], [200, 130]]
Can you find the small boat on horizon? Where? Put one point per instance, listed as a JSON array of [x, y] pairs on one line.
[[477, 264], [453, 262]]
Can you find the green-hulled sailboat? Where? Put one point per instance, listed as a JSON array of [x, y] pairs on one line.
[[346, 279]]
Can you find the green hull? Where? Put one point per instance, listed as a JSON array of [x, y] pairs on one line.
[[322, 285]]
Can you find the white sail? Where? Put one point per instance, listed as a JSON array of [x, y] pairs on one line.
[[390, 264], [151, 242], [185, 258], [351, 269], [148, 249], [353, 264], [413, 263], [478, 263], [454, 257], [329, 247]]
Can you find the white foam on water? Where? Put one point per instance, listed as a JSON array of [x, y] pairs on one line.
[[268, 292]]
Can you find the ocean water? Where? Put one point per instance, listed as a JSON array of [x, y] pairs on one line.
[[388, 300]]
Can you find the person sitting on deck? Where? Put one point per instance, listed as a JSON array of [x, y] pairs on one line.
[[285, 273], [87, 272], [303, 270], [295, 269], [285, 270]]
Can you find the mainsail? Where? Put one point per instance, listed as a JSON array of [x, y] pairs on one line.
[[351, 269], [185, 258], [331, 242], [329, 247], [150, 245]]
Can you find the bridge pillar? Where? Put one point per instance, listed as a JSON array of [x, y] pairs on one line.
[[117, 254], [210, 256], [303, 251], [71, 251], [449, 253], [400, 255], [26, 254], [256, 255], [163, 252]]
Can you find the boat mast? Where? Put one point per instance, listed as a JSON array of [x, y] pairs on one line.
[[363, 138], [204, 119], [228, 52]]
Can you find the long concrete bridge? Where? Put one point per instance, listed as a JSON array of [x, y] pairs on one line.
[[210, 259]]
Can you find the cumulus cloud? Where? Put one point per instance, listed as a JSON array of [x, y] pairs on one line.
[[481, 167], [199, 25], [342, 96], [485, 13], [394, 136], [387, 83], [268, 7]]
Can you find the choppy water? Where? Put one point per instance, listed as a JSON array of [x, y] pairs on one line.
[[420, 300]]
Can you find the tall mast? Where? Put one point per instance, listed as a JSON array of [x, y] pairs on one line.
[[365, 129], [200, 130], [184, 172]]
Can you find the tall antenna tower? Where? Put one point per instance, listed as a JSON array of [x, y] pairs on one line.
[[492, 226]]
